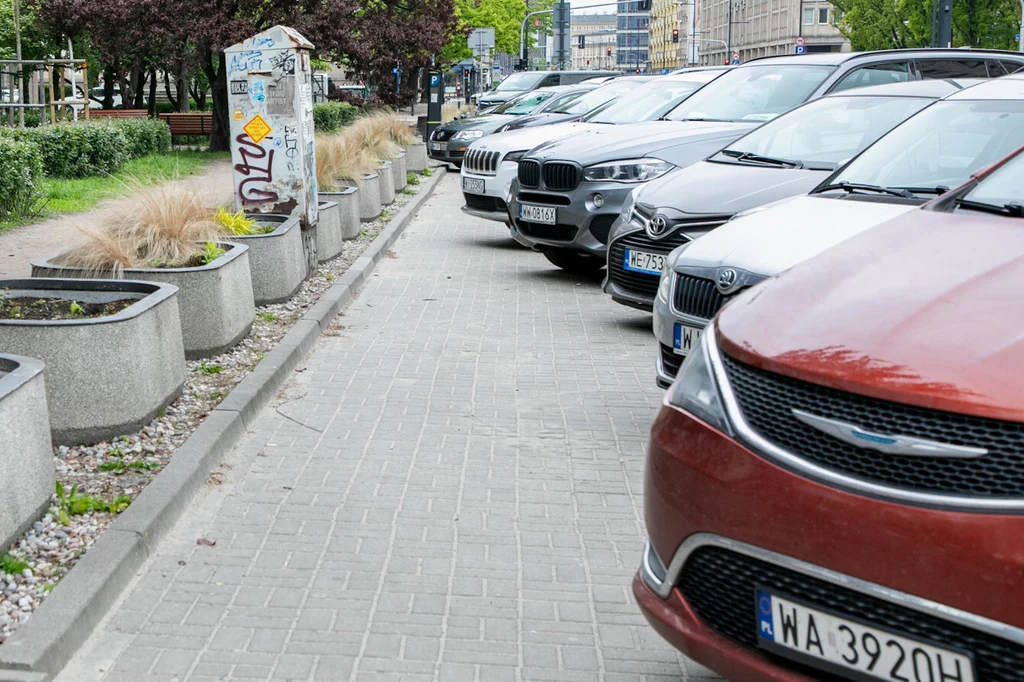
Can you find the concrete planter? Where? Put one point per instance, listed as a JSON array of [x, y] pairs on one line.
[[399, 171], [387, 183], [348, 210], [215, 301], [26, 455], [369, 198], [277, 260], [105, 376], [329, 238], [416, 157]]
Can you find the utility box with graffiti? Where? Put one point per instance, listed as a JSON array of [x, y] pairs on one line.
[[271, 107]]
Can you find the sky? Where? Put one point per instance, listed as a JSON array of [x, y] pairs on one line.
[[577, 4]]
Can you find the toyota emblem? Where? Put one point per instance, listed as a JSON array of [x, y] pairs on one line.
[[726, 279], [657, 226]]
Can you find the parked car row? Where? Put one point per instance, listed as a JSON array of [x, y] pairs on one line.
[[831, 246]]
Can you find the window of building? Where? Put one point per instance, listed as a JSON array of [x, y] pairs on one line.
[[823, 15], [808, 16]]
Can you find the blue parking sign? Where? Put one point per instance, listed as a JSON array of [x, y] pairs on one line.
[[435, 78], [800, 49]]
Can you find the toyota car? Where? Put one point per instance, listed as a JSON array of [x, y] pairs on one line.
[[491, 162], [570, 192], [931, 152], [781, 159], [834, 488]]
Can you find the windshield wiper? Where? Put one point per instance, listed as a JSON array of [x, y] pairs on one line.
[[757, 158], [1012, 209], [852, 187], [937, 190]]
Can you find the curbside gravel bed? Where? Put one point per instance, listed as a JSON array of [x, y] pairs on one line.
[[45, 643]]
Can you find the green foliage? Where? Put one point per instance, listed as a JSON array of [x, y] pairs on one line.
[[237, 224], [412, 179], [505, 16], [77, 150], [426, 172], [330, 116], [75, 504], [21, 177], [887, 24], [144, 136], [75, 308], [211, 252], [11, 564], [267, 316], [209, 369]]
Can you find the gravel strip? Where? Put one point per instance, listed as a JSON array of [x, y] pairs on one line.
[[96, 479]]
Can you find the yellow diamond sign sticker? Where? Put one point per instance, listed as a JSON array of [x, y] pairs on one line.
[[257, 128]]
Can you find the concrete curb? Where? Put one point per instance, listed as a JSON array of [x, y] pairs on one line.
[[44, 645]]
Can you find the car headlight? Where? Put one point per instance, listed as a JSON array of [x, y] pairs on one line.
[[630, 170], [515, 156], [695, 389], [468, 134], [665, 284]]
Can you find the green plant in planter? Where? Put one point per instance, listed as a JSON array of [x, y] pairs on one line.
[[211, 252], [426, 172], [75, 308], [412, 179]]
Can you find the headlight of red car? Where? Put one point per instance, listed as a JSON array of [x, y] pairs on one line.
[[695, 389]]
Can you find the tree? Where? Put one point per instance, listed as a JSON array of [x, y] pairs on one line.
[[887, 24], [504, 16]]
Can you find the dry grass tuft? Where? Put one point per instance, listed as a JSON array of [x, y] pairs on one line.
[[373, 133], [449, 110], [339, 161], [162, 225]]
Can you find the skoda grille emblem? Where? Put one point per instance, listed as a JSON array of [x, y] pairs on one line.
[[657, 226], [726, 279], [886, 443]]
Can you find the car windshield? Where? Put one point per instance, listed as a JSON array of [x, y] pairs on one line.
[[940, 147], [752, 93], [1003, 188], [520, 81], [593, 99], [822, 134], [524, 104], [648, 102], [558, 102]]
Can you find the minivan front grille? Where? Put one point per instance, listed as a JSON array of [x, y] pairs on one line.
[[482, 161], [560, 177], [529, 173], [697, 297], [767, 400]]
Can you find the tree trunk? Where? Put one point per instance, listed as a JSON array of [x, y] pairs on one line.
[[109, 79], [167, 91], [152, 92], [220, 139], [181, 86], [139, 85]]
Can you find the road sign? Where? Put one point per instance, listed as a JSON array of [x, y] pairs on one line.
[[800, 49], [800, 42], [435, 78], [735, 58]]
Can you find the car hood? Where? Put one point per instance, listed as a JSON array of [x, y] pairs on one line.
[[776, 238], [496, 97], [488, 123], [924, 310], [544, 119], [528, 138], [655, 138], [726, 188]]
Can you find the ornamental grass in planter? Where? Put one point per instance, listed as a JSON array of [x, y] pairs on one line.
[[167, 235], [344, 172], [113, 350], [26, 454]]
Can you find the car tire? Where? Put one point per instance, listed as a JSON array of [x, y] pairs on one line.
[[573, 261]]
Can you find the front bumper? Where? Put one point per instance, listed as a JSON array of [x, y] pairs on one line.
[[931, 571], [493, 203], [665, 319], [581, 226], [453, 153]]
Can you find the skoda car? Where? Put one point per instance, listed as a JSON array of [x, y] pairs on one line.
[[491, 163], [448, 142], [781, 159], [931, 152], [574, 190], [833, 487]]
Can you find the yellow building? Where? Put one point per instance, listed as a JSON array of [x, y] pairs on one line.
[[666, 18]]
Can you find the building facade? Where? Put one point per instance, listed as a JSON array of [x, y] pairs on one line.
[[666, 16], [632, 35], [760, 28], [599, 46]]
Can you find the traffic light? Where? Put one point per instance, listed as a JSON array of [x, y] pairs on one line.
[[582, 41], [675, 35], [588, 62], [609, 52]]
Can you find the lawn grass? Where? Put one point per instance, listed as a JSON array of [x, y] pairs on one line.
[[82, 194]]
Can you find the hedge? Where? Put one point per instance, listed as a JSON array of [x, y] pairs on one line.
[[21, 174], [144, 136], [77, 150], [330, 116]]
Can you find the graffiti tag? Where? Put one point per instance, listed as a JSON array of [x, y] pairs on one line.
[[258, 167], [246, 61], [285, 61]]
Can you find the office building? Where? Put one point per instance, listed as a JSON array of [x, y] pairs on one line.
[[599, 41], [666, 16], [632, 35]]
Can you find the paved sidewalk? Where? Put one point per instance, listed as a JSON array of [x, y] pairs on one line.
[[450, 490]]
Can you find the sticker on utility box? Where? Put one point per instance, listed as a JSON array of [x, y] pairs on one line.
[[257, 128], [239, 87]]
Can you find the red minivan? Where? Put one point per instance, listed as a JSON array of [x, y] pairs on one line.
[[835, 484]]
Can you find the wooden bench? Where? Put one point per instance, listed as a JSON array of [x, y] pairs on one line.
[[199, 124], [118, 113]]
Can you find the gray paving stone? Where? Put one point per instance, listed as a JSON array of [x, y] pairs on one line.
[[454, 495]]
